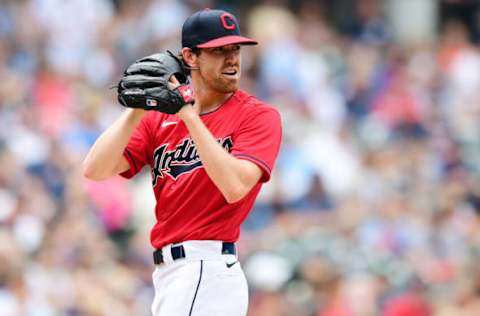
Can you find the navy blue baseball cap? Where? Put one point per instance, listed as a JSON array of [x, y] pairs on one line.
[[212, 28]]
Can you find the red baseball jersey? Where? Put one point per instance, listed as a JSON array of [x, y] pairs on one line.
[[189, 205]]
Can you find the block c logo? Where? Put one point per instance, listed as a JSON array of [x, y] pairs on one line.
[[227, 21]]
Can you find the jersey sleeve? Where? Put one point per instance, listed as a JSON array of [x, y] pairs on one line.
[[138, 150], [258, 140]]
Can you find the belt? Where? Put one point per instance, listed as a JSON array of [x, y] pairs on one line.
[[178, 252]]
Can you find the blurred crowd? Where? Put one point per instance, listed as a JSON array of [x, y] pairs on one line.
[[373, 208]]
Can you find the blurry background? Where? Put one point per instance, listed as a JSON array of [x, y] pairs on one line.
[[374, 205]]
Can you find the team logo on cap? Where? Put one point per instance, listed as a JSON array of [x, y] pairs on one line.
[[227, 21]]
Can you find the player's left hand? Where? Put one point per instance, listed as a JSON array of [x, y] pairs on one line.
[[156, 82]]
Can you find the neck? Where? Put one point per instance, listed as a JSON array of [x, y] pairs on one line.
[[208, 100]]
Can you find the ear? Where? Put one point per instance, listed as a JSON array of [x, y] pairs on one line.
[[189, 57]]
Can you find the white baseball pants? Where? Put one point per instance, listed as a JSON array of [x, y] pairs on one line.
[[204, 283]]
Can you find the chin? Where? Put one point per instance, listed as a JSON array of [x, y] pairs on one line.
[[227, 87], [229, 90]]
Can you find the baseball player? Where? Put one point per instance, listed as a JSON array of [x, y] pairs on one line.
[[210, 146]]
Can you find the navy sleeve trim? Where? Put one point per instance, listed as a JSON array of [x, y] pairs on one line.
[[259, 162], [264, 165]]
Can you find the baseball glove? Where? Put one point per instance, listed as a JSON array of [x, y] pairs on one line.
[[144, 84]]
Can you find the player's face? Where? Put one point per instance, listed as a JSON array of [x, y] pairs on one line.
[[220, 68]]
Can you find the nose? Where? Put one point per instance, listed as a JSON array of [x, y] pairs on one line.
[[231, 53], [231, 56]]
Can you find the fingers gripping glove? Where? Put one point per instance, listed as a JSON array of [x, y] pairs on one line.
[[144, 84]]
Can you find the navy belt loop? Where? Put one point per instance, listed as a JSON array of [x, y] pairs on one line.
[[157, 256], [228, 248]]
